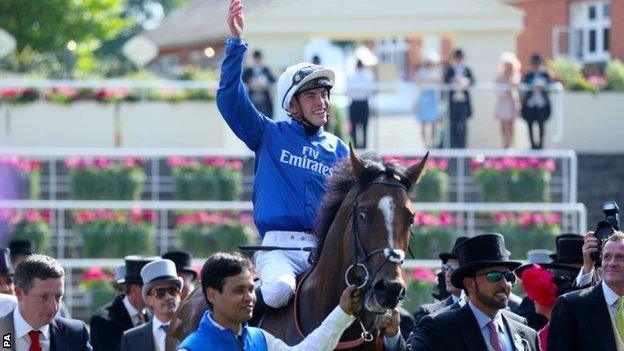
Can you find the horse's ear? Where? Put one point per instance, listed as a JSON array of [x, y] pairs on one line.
[[357, 165], [414, 172]]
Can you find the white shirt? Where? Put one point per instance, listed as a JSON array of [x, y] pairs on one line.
[[7, 304], [158, 333], [359, 85], [325, 337], [133, 312], [22, 340]]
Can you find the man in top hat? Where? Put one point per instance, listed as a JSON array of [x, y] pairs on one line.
[[185, 271], [593, 318], [6, 272], [124, 312], [161, 292], [449, 264], [20, 250], [486, 274], [459, 77]]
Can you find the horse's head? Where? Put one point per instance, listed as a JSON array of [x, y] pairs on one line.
[[381, 216]]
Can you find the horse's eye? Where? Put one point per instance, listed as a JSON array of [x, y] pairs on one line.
[[362, 216]]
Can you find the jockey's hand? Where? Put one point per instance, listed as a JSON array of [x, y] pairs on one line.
[[236, 19], [351, 300], [388, 323], [591, 244]]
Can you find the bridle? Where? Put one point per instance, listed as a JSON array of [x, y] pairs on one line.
[[360, 260]]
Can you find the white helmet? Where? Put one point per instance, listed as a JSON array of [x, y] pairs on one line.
[[301, 77]]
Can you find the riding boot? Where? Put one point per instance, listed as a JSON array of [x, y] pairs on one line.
[[260, 309]]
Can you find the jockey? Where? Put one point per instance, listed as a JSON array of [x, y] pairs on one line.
[[292, 160]]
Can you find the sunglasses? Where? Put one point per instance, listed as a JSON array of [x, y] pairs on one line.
[[449, 267], [160, 293], [496, 276]]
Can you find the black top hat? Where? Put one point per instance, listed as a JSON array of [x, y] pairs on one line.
[[134, 264], [458, 53], [569, 253], [5, 262], [445, 256], [21, 247], [480, 252], [182, 261]]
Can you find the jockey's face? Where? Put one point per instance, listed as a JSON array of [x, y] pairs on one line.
[[235, 303], [313, 105]]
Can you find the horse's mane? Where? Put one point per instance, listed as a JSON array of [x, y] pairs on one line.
[[342, 181]]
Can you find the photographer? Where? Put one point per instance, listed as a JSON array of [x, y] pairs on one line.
[[593, 241]]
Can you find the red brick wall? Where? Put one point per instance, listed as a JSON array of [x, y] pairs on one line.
[[542, 15], [617, 29]]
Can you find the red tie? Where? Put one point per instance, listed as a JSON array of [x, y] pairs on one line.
[[34, 340]]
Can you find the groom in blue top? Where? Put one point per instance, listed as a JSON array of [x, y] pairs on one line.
[[292, 159]]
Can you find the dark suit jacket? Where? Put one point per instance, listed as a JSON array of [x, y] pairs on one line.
[[431, 308], [108, 324], [65, 334], [458, 330], [139, 338], [580, 321]]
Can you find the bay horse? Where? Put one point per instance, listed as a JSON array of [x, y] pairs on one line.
[[363, 231]]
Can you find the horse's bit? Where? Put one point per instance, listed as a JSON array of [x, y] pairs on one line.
[[360, 261]]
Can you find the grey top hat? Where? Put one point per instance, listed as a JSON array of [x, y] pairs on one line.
[[120, 275], [5, 262], [535, 256], [133, 268], [159, 271], [479, 252]]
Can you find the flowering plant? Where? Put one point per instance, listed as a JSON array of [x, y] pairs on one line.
[[98, 287], [513, 179], [107, 233], [21, 177], [204, 233], [211, 178], [420, 284], [526, 231], [99, 178], [432, 233], [29, 224], [433, 185], [63, 95], [114, 95], [17, 95]]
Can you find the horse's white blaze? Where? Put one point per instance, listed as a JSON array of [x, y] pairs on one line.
[[386, 205]]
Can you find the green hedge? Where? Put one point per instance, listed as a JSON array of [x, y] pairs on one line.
[[115, 183], [215, 179], [513, 179]]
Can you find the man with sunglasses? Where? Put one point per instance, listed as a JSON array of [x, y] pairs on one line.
[[293, 158], [486, 275], [161, 293]]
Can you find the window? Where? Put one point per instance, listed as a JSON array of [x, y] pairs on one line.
[[590, 24]]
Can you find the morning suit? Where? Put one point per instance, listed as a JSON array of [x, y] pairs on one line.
[[580, 321], [430, 308], [108, 324], [458, 330], [460, 108], [139, 338], [65, 334]]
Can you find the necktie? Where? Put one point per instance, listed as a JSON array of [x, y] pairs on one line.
[[164, 327], [495, 341], [35, 345], [619, 317]]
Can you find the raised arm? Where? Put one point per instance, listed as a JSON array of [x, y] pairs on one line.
[[232, 99]]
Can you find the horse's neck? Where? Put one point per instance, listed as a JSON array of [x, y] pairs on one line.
[[321, 291]]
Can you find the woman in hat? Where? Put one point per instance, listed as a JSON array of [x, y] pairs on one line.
[[427, 106], [544, 284], [508, 101]]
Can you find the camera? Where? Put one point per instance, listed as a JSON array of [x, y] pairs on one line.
[[605, 228]]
